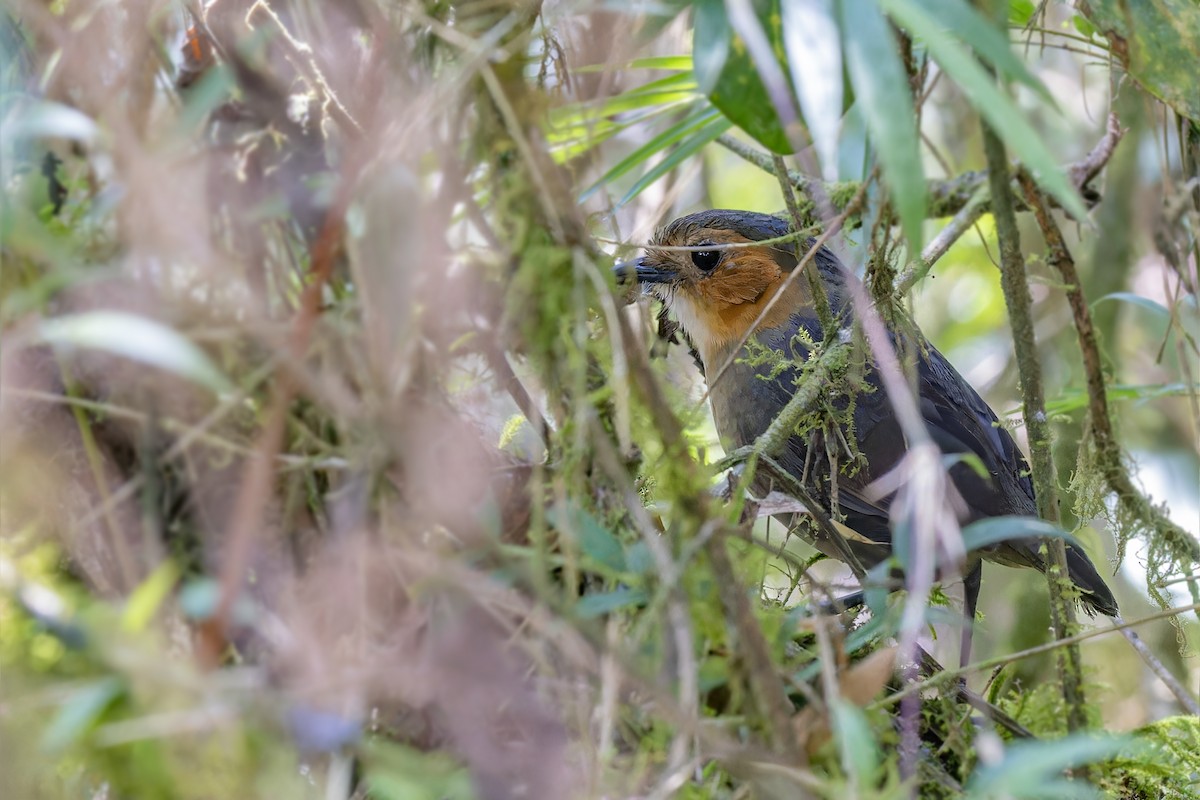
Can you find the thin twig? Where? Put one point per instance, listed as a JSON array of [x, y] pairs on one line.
[[1080, 173], [962, 221], [947, 675]]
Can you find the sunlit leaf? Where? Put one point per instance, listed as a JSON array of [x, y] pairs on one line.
[[685, 150], [885, 100], [961, 66], [1020, 12], [136, 338], [672, 63], [677, 132], [145, 601], [810, 33]]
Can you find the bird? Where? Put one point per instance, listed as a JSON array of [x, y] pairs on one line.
[[718, 293]]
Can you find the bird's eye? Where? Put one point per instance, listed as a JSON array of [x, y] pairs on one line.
[[706, 259]]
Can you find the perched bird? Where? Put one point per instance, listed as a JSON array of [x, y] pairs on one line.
[[718, 294]]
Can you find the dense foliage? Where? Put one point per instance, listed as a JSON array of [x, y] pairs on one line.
[[336, 464]]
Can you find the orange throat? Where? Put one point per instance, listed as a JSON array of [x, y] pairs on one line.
[[720, 311]]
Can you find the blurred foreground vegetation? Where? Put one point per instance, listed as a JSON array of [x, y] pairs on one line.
[[335, 464]]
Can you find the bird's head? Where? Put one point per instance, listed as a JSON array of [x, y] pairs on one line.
[[712, 273]]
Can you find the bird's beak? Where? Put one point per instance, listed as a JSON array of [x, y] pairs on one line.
[[640, 271]]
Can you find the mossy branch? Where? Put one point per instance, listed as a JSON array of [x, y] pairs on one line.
[[1107, 449], [1014, 282], [947, 196]]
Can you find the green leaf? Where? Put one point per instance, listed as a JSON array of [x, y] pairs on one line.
[[1135, 299], [1020, 12], [685, 150], [881, 86], [810, 33], [688, 125], [137, 338], [638, 559], [671, 63], [971, 460], [395, 772], [993, 530], [47, 119], [1028, 766], [1077, 399], [595, 605], [856, 741], [1159, 42], [576, 128], [148, 597], [995, 107], [726, 73], [1083, 26], [596, 541], [988, 41], [712, 40], [80, 712]]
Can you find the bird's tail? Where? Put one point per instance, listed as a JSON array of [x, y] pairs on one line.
[[1093, 590]]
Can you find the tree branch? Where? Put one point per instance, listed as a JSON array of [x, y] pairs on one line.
[[1015, 284]]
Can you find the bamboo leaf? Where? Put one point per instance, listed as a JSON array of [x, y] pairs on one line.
[[689, 147], [810, 33], [670, 136], [989, 42], [992, 104], [726, 73], [994, 530], [136, 338], [881, 87]]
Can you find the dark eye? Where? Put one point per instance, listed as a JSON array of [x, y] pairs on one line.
[[706, 259]]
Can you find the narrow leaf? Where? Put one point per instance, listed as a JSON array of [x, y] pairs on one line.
[[995, 107], [881, 86], [988, 41], [591, 606], [810, 34], [148, 597], [137, 338], [993, 530], [670, 136], [1135, 299], [47, 119], [704, 136], [1028, 766], [80, 712], [596, 541]]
